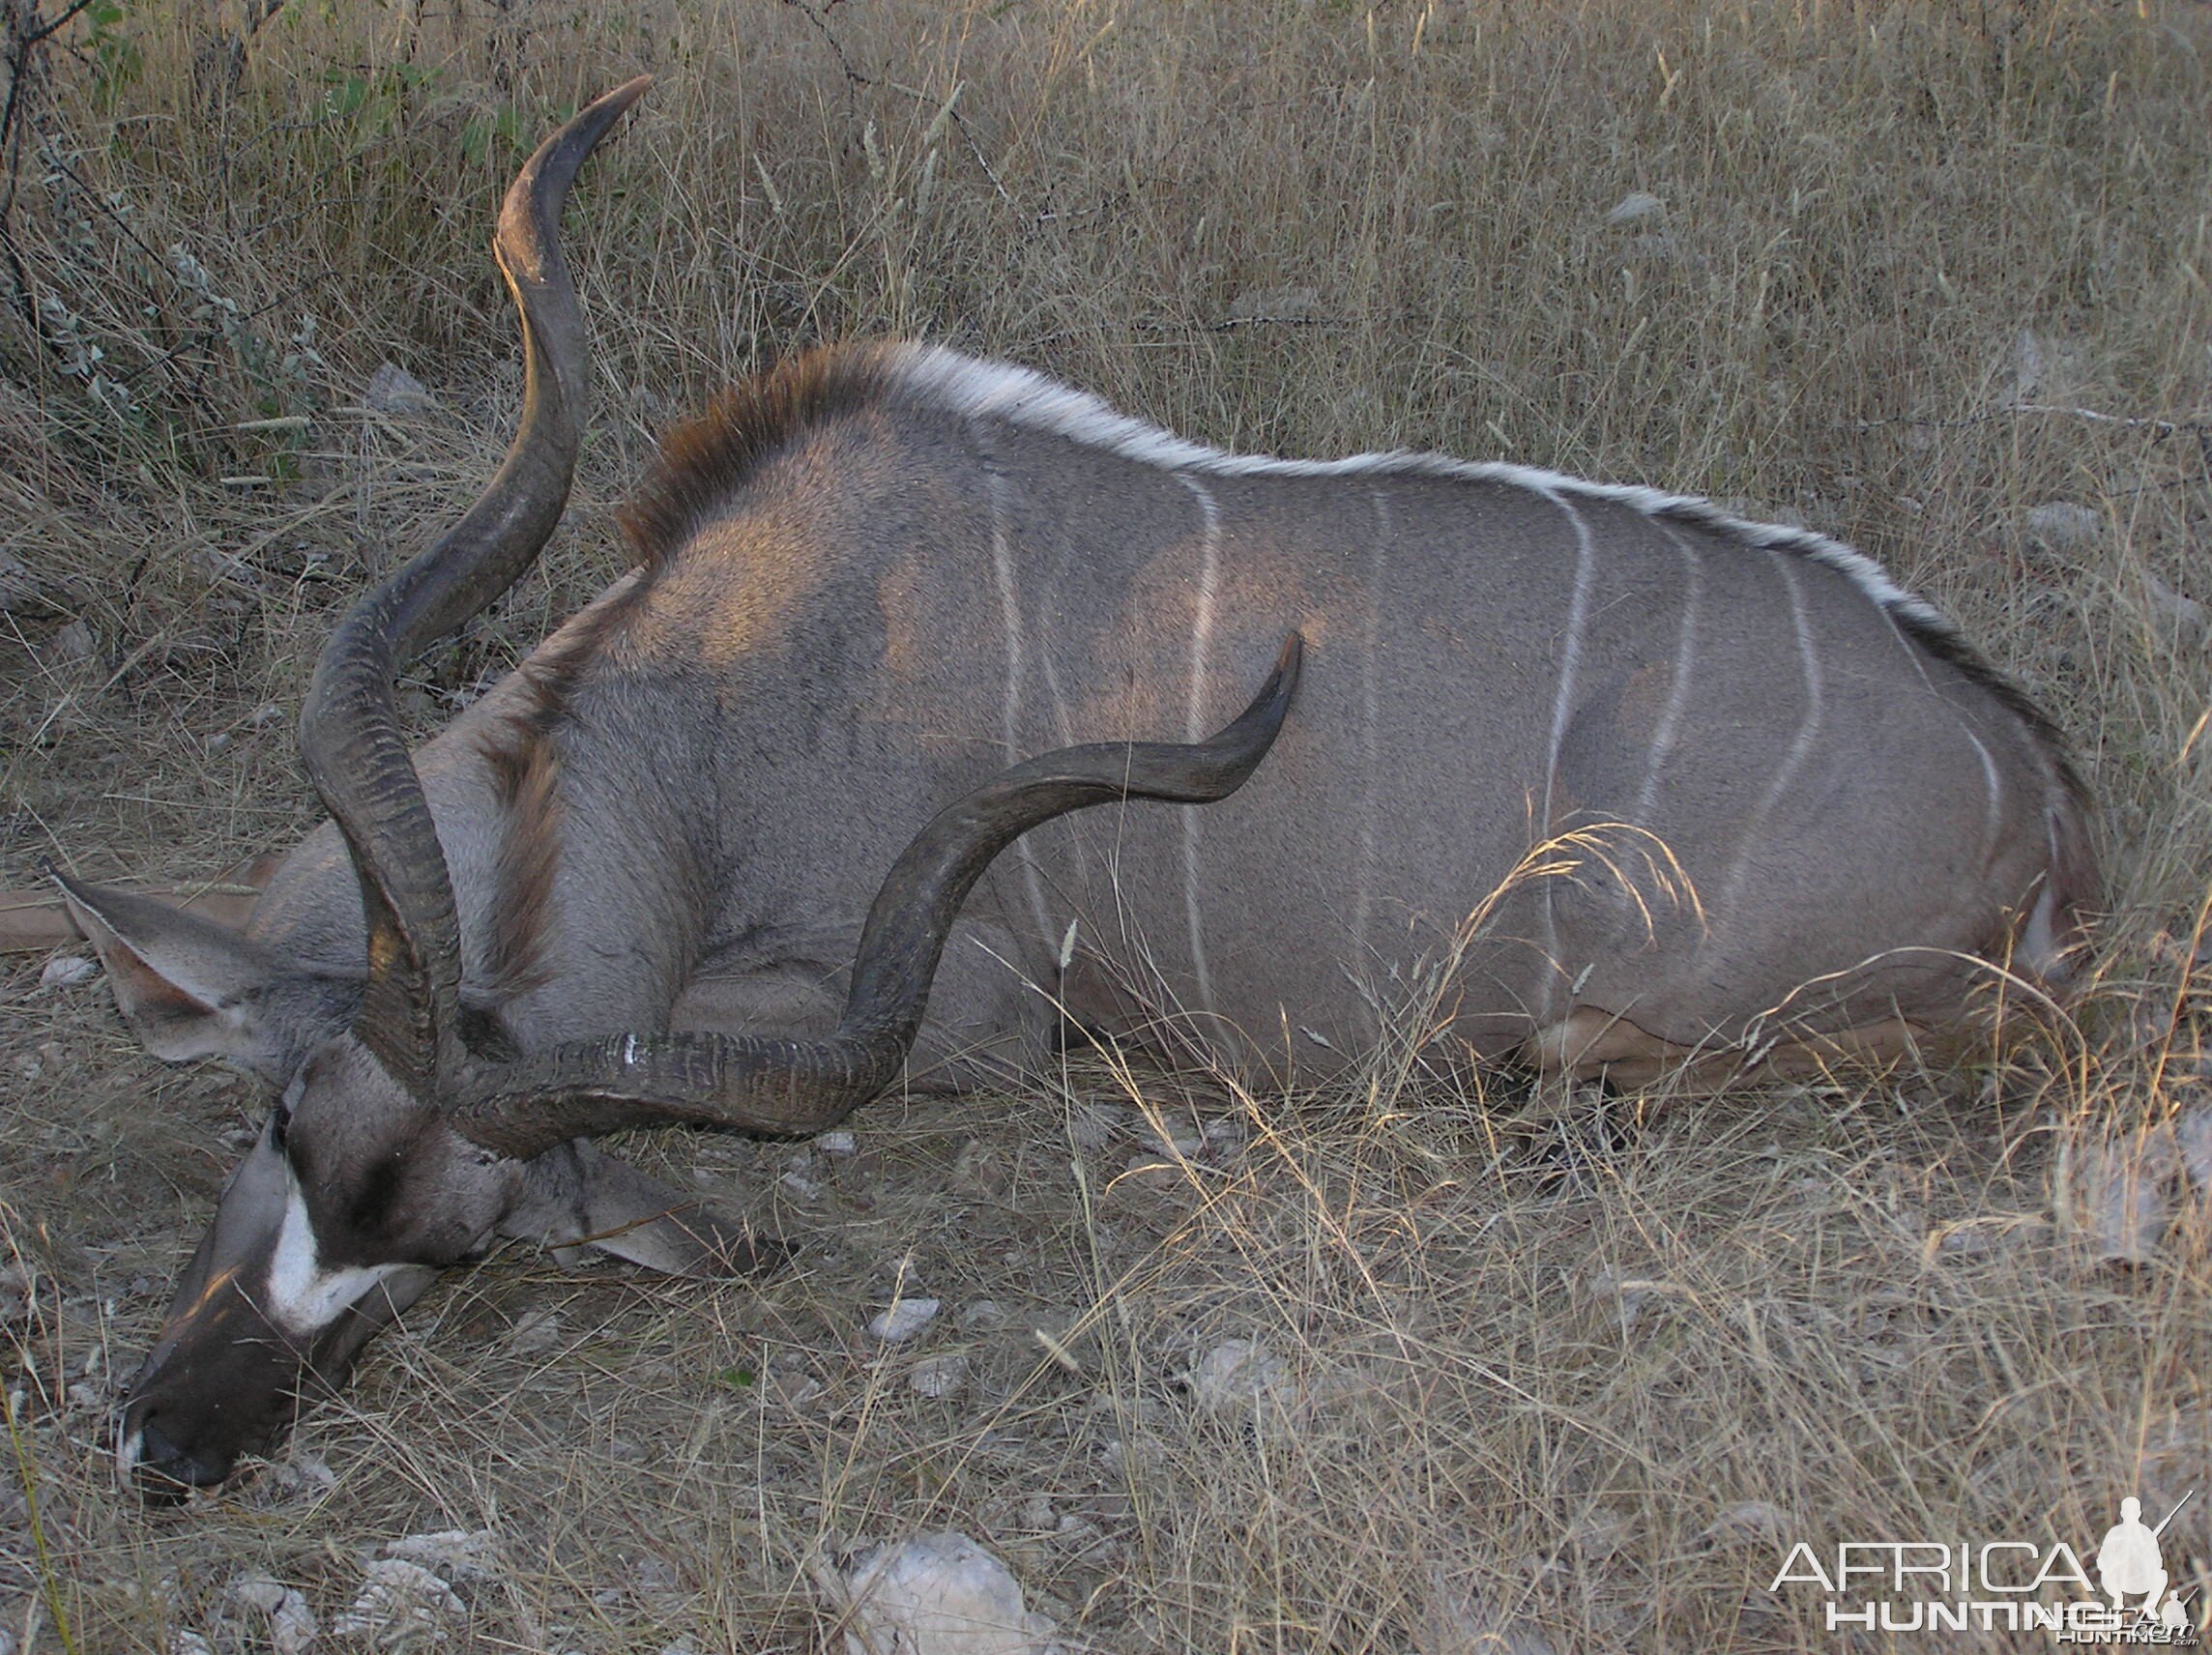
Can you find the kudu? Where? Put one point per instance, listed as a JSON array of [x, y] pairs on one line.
[[1664, 789]]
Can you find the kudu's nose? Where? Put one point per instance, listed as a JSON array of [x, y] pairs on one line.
[[162, 1472]]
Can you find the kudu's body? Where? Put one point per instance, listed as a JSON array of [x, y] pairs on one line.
[[1789, 816]]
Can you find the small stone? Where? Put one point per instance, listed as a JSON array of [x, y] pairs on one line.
[[1635, 207], [535, 1331], [2120, 1193], [393, 389], [70, 645], [801, 1187], [400, 1604], [2185, 616], [291, 1623], [456, 1554], [2192, 1132], [18, 586], [2064, 526], [936, 1594], [1748, 1518], [904, 1319], [838, 1143], [982, 1316], [16, 1290], [1238, 1375], [1089, 1127], [794, 1388], [937, 1375], [67, 970]]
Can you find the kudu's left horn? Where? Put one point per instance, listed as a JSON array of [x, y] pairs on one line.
[[349, 730]]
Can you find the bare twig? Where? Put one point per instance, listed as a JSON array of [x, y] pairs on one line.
[[2133, 422]]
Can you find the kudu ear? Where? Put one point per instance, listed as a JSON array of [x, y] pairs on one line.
[[191, 988], [577, 1195]]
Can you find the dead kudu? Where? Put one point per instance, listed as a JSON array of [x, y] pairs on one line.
[[1647, 789]]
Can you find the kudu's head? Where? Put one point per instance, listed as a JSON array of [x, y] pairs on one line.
[[400, 1144]]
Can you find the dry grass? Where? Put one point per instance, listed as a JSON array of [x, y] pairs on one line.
[[1581, 1374]]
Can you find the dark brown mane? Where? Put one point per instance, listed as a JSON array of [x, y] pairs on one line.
[[706, 459]]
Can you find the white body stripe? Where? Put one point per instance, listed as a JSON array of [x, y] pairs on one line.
[[1992, 818], [1370, 729], [1562, 713], [1194, 722], [1678, 693], [1010, 613], [1800, 745]]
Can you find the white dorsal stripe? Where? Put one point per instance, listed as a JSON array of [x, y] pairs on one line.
[[972, 388]]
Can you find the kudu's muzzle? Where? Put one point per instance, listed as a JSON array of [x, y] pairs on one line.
[[222, 1380]]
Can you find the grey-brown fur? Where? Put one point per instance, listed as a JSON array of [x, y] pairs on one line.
[[821, 552]]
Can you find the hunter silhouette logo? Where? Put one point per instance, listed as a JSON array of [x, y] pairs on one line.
[[2129, 1563], [1958, 1586]]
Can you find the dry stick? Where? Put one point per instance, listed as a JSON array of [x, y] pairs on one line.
[[2142, 422], [35, 919]]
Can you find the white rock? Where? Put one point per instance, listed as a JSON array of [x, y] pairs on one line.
[[2184, 615], [838, 1143], [1455, 1620], [535, 1331], [67, 970], [303, 1476], [1239, 1376], [400, 1604], [190, 1643], [936, 1594], [2119, 1190], [17, 584], [393, 389], [982, 1315], [70, 645], [2194, 1133], [1635, 206], [1090, 1126], [2063, 525], [1748, 1518], [937, 1375], [904, 1319], [16, 1286], [291, 1623], [456, 1554]]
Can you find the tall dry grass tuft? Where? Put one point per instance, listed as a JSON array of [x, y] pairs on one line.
[[1430, 1364]]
